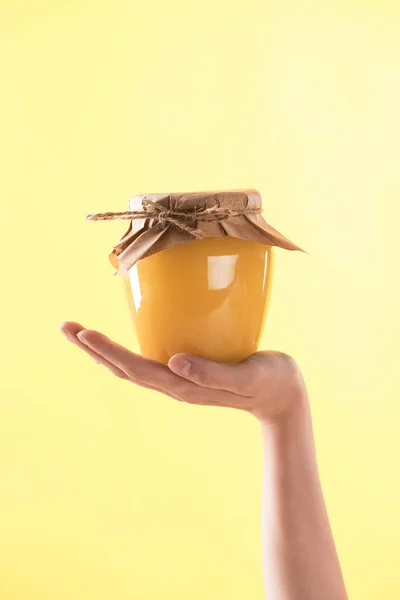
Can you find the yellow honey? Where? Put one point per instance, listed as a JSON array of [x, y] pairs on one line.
[[206, 297]]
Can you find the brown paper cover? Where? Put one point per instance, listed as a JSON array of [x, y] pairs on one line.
[[147, 236]]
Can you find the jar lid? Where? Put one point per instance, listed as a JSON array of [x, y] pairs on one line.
[[161, 221]]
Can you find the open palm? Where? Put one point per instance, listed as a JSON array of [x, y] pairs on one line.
[[265, 384]]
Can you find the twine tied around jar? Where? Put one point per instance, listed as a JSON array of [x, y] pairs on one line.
[[183, 220]]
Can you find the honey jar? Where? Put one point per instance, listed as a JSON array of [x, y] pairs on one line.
[[198, 271]]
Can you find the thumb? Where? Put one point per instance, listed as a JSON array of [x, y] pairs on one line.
[[231, 377]]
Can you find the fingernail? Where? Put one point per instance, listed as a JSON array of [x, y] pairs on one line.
[[184, 367], [79, 336], [66, 334]]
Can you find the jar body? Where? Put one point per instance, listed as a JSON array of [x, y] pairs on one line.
[[206, 297]]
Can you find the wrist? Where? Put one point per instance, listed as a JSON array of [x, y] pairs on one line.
[[288, 438], [290, 404], [297, 409]]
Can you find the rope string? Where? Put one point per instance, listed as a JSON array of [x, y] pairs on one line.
[[183, 220]]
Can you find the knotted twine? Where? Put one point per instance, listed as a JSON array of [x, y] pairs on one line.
[[183, 220]]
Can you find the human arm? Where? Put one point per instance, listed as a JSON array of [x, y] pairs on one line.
[[300, 560], [299, 554]]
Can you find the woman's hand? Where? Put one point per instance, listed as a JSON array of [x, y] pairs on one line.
[[266, 384], [300, 559]]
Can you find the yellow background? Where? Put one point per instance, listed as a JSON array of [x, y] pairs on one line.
[[111, 492]]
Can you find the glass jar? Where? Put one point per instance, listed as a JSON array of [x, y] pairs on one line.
[[207, 296], [197, 269]]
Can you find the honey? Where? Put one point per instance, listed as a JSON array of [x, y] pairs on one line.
[[208, 297]]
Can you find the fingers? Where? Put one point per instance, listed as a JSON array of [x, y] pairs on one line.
[[137, 368], [148, 373], [70, 330], [237, 378], [101, 349], [145, 372]]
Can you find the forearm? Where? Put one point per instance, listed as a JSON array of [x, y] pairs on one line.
[[300, 560]]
